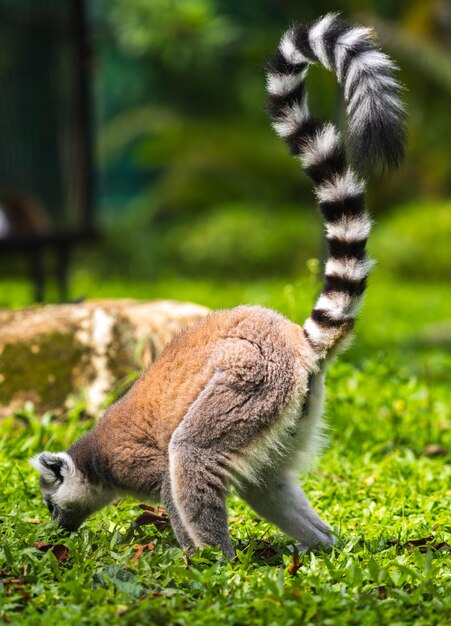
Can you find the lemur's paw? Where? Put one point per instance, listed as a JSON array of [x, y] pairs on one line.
[[323, 539]]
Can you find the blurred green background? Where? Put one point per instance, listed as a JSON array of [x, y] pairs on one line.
[[193, 184], [193, 181]]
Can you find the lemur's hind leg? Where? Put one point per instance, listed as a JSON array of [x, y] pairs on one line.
[[284, 503]]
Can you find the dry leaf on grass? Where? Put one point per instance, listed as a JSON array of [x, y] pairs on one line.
[[60, 551], [423, 544], [153, 515], [140, 548], [294, 566], [186, 560], [15, 584], [433, 449], [158, 510]]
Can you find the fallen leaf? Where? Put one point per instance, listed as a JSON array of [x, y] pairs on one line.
[[393, 542], [14, 581], [382, 592], [60, 551], [294, 566], [423, 544], [16, 585], [158, 510], [237, 518], [140, 548], [153, 516], [433, 449], [419, 543]]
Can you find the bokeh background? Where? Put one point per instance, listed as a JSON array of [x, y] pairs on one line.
[[191, 179], [190, 171], [194, 195], [194, 198]]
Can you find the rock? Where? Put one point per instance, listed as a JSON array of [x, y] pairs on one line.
[[52, 352]]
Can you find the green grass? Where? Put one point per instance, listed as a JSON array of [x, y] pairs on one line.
[[388, 398]]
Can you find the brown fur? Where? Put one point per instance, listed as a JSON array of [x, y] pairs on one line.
[[223, 405], [249, 347]]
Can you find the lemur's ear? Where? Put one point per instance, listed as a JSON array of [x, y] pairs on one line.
[[53, 467]]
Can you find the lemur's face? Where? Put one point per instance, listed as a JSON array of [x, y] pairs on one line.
[[69, 497]]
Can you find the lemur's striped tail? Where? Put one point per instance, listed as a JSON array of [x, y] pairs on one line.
[[376, 134]]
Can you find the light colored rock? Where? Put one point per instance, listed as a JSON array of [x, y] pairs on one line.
[[50, 354]]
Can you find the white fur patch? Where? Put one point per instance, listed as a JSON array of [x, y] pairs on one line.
[[283, 84], [316, 38], [73, 489], [174, 489], [352, 269], [363, 111], [372, 89], [338, 305], [282, 445], [288, 49], [321, 335], [294, 116], [254, 463], [372, 60], [350, 228], [43, 462], [321, 146], [340, 187], [345, 44], [311, 437], [373, 96]]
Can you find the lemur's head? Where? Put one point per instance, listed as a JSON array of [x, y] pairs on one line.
[[68, 494]]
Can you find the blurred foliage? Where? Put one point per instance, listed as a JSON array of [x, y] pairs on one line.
[[192, 179], [416, 241], [180, 31], [234, 240]]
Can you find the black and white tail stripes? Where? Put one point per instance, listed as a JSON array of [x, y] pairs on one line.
[[375, 136]]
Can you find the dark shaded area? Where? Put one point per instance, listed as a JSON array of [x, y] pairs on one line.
[[46, 173]]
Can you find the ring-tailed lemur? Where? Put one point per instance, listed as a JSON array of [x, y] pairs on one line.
[[237, 398]]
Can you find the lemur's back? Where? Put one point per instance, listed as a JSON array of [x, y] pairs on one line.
[[252, 346]]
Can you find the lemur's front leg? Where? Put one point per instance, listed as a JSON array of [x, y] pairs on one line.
[[198, 494], [177, 525]]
